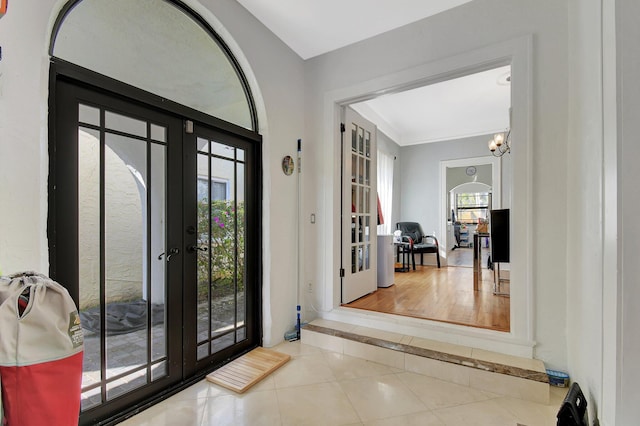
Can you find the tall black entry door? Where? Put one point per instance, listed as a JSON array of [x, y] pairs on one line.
[[152, 229]]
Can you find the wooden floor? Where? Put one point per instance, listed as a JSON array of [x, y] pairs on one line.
[[444, 294]]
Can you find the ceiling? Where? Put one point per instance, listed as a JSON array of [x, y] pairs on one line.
[[473, 105], [314, 27], [468, 106]]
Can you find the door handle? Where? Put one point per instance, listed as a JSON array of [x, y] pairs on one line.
[[172, 251], [194, 248]]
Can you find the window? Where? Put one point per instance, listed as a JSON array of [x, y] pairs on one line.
[[219, 189], [472, 206], [385, 191]]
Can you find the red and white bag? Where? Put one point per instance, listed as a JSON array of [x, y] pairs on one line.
[[41, 349]]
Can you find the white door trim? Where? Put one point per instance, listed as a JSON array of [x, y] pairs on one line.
[[517, 53]]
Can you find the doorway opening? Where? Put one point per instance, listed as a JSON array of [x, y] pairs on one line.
[[449, 190], [516, 54]]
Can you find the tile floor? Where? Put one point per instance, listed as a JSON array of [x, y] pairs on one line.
[[319, 387]]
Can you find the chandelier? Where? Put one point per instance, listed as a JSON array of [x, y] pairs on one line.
[[499, 144]]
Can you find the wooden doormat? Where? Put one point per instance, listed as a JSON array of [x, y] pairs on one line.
[[244, 372]]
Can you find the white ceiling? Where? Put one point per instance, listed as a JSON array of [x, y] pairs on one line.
[[463, 107], [314, 27], [477, 104]]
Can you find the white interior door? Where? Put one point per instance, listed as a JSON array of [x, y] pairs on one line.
[[359, 206]]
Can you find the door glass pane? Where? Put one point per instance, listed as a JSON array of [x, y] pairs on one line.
[[125, 211], [367, 200], [367, 144], [240, 243], [367, 171], [367, 250], [221, 227], [222, 150], [203, 241], [89, 264], [158, 221], [354, 261], [88, 115], [354, 138], [158, 133], [171, 46], [224, 216], [124, 124]]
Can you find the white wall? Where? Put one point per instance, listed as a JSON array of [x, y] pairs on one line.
[[584, 200], [25, 32], [628, 316], [420, 178], [475, 25]]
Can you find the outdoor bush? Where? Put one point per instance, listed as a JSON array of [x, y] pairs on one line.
[[224, 237]]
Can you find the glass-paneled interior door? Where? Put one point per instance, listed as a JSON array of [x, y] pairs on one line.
[[359, 204]]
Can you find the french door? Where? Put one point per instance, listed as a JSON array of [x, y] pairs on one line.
[[220, 191], [359, 207], [149, 222]]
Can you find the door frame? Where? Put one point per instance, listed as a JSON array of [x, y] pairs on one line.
[[496, 193], [61, 257], [520, 341]]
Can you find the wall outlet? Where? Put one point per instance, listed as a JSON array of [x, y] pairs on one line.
[[309, 287]]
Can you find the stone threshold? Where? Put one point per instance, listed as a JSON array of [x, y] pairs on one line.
[[492, 367]]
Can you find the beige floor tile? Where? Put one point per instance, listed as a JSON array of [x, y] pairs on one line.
[[316, 388], [424, 418], [296, 349], [185, 412], [253, 408], [319, 404], [347, 367], [435, 393], [509, 386], [381, 397], [440, 370], [304, 370], [483, 413], [530, 413], [198, 390], [556, 395], [374, 353]]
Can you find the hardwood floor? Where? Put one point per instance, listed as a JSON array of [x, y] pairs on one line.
[[444, 294]]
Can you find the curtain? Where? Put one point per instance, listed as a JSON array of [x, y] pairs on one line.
[[385, 190]]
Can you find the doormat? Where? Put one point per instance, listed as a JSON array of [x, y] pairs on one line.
[[244, 372]]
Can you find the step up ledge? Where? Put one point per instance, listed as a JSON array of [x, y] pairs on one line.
[[493, 377]]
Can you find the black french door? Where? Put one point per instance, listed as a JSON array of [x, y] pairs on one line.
[[154, 230]]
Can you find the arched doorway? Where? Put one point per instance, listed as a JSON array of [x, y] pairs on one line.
[[154, 190]]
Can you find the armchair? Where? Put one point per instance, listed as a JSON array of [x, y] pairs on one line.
[[418, 241]]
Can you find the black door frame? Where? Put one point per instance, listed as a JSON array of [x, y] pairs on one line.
[[63, 227]]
